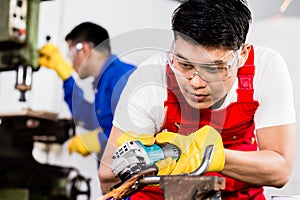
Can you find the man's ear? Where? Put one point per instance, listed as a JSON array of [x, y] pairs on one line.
[[244, 54], [86, 48]]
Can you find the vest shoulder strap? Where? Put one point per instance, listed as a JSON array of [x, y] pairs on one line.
[[245, 75]]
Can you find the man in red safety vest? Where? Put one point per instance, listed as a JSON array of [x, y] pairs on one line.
[[211, 76]]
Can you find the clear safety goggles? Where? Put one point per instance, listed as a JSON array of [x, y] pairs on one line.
[[210, 72], [73, 50]]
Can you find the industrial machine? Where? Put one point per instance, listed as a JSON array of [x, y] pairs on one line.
[[133, 163], [22, 177], [18, 40]]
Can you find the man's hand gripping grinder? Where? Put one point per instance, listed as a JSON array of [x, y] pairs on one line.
[[133, 157]]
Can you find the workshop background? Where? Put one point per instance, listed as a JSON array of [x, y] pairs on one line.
[[276, 24]]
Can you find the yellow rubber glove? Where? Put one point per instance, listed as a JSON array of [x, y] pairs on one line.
[[192, 149], [146, 139], [165, 166], [85, 143], [50, 57]]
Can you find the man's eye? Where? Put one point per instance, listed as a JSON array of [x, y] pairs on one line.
[[185, 65], [213, 70]]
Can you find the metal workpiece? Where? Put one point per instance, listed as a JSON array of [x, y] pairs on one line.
[[208, 154], [186, 187]]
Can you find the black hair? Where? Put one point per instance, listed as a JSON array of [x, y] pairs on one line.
[[213, 23], [90, 32]]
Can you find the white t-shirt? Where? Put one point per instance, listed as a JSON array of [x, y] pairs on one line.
[[141, 106]]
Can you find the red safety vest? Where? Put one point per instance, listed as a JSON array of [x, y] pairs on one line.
[[235, 124]]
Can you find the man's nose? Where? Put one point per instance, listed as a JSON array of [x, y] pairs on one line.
[[196, 81]]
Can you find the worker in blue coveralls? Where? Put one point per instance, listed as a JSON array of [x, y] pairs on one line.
[[90, 52]]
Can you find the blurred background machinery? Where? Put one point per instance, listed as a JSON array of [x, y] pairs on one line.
[[22, 177], [18, 40]]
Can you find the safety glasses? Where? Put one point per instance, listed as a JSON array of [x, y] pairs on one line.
[[73, 50], [210, 72]]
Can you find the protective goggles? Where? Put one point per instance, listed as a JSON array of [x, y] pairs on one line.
[[78, 47], [210, 72]]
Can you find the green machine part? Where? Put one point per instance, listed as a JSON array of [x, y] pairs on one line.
[[18, 34]]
